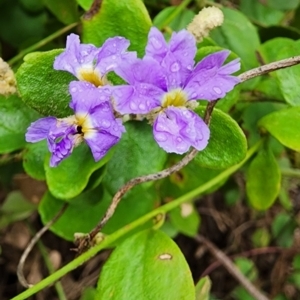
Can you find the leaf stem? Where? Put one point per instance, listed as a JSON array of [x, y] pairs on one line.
[[111, 239], [41, 43]]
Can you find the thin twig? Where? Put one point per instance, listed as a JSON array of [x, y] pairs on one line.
[[86, 241], [281, 64], [249, 253], [151, 177], [34, 240], [95, 7], [231, 268]]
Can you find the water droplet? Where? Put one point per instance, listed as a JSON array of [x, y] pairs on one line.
[[217, 90], [156, 43], [179, 139], [105, 123], [142, 106], [113, 57], [175, 67], [133, 106], [194, 96], [161, 137], [74, 90]]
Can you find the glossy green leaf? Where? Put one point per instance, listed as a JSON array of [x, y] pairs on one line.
[[181, 21], [289, 77], [261, 13], [72, 175], [148, 265], [43, 88], [227, 145], [15, 208], [18, 27], [86, 210], [185, 219], [14, 121], [33, 159], [85, 4], [127, 18], [282, 125], [263, 180], [284, 5], [136, 154], [65, 11], [283, 228], [203, 288], [232, 35], [82, 214], [270, 49]]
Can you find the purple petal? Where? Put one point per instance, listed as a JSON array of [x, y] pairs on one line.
[[100, 143], [138, 99], [76, 56], [156, 47], [102, 119], [113, 53], [177, 129], [39, 129], [210, 80], [85, 96], [61, 141]]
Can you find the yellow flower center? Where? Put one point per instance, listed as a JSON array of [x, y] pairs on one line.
[[174, 98], [92, 77]]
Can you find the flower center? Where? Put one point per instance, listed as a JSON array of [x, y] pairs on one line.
[[83, 124], [174, 98], [92, 77]]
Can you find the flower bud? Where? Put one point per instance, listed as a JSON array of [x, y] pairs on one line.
[[207, 19], [7, 79]]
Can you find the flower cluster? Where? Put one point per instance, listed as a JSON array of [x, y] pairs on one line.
[[163, 87]]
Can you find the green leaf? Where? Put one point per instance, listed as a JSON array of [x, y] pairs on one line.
[[33, 159], [185, 219], [232, 35], [181, 21], [283, 126], [247, 267], [14, 121], [148, 265], [283, 228], [283, 5], [85, 4], [289, 77], [263, 180], [15, 208], [261, 13], [270, 49], [72, 175], [227, 145], [261, 237], [136, 154], [43, 88], [203, 288], [129, 19], [65, 11], [81, 215]]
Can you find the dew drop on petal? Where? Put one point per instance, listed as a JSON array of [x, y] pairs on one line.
[[155, 43], [175, 67], [133, 106], [142, 106], [217, 90], [105, 123], [161, 137], [73, 89], [194, 95]]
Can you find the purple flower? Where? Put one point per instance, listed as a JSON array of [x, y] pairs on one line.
[[93, 122], [165, 84], [89, 63]]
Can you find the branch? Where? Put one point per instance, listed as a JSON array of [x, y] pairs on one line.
[[231, 268], [265, 69], [34, 240], [87, 241]]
